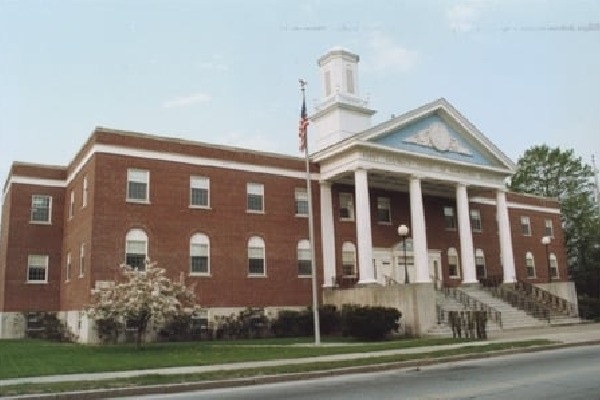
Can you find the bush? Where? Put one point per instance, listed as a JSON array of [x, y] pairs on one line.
[[589, 308], [293, 324], [369, 323]]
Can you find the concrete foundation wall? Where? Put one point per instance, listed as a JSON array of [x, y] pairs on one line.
[[12, 325], [564, 290], [416, 302]]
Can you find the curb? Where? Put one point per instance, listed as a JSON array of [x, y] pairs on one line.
[[266, 379]]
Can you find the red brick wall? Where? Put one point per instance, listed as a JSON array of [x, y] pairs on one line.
[[32, 239]]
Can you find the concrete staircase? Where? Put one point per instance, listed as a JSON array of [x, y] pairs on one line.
[[505, 316]]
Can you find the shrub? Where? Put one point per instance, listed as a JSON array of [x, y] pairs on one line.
[[293, 324], [369, 323], [589, 308]]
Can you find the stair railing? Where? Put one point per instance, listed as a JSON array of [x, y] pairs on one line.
[[469, 302], [543, 296]]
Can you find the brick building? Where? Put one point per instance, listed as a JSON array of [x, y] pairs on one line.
[[233, 222]]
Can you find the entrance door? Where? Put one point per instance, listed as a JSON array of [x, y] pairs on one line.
[[435, 268]]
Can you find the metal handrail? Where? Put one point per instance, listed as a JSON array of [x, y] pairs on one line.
[[472, 303], [543, 296]]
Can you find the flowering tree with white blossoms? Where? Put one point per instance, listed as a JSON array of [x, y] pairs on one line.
[[141, 296]]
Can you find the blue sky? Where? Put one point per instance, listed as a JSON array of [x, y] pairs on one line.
[[524, 72]]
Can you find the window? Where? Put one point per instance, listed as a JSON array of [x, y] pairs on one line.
[[475, 220], [199, 191], [553, 266], [301, 201], [82, 260], [479, 264], [349, 79], [41, 209], [530, 264], [72, 205], [84, 195], [37, 269], [256, 256], [138, 184], [449, 221], [255, 197], [525, 226], [304, 258], [199, 254], [384, 214], [346, 207], [136, 249], [68, 268], [548, 231], [453, 265], [348, 259]]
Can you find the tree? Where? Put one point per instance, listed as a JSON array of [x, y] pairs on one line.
[[554, 173], [140, 297]]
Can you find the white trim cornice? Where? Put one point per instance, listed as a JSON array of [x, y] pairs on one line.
[[517, 206]]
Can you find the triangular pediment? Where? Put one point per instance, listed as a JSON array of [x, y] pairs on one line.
[[438, 130]]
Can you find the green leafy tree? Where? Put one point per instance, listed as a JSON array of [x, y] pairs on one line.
[[140, 297], [552, 172]]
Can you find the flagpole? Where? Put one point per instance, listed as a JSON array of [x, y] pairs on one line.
[[311, 241]]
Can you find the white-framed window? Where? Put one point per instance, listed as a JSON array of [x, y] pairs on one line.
[[138, 185], [84, 194], [530, 265], [475, 216], [525, 226], [199, 254], [256, 256], [453, 263], [348, 259], [301, 202], [81, 260], [384, 213], [480, 271], [255, 195], [136, 249], [449, 218], [553, 265], [548, 229], [68, 268], [304, 258], [346, 207], [37, 269], [199, 192], [41, 209], [72, 205]]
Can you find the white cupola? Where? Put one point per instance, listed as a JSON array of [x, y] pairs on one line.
[[341, 112]]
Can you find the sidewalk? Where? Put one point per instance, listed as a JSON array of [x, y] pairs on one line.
[[562, 335]]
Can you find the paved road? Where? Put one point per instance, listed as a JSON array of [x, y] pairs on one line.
[[571, 373]]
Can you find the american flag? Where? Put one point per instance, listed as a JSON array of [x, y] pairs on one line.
[[303, 128]]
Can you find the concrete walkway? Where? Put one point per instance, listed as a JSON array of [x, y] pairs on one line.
[[562, 335]]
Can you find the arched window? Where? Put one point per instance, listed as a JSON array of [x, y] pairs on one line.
[[480, 264], [348, 259], [530, 264], [136, 249], [256, 256], [199, 254], [553, 265], [304, 258], [453, 265]]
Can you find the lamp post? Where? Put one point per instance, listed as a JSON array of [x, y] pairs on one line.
[[546, 241], [403, 232]]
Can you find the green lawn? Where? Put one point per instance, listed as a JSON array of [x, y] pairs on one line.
[[24, 358]]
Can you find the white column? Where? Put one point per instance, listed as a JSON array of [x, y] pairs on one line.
[[467, 255], [418, 234], [363, 227], [327, 235], [506, 251]]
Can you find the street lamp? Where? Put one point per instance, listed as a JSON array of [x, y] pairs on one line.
[[403, 232], [546, 241]]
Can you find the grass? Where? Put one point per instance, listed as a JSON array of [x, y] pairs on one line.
[[229, 348], [25, 358]]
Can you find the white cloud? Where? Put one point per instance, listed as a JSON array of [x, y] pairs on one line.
[[463, 16], [389, 55], [186, 101], [215, 63]]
